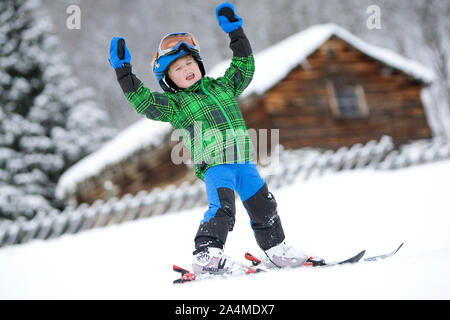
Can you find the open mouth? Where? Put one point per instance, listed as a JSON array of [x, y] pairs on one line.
[[190, 77]]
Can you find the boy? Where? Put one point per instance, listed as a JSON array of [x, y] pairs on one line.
[[191, 100]]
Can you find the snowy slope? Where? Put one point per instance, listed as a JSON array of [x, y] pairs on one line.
[[333, 217]]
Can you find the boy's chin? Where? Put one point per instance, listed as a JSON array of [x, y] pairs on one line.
[[187, 84]]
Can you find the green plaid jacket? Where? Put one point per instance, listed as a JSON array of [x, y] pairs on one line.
[[206, 115]]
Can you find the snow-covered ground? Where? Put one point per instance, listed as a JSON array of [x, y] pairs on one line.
[[333, 216]]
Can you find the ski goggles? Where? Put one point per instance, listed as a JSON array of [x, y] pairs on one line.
[[174, 43], [171, 43]]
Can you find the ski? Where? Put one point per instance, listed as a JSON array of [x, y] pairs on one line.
[[382, 256], [356, 258], [187, 276], [312, 262]]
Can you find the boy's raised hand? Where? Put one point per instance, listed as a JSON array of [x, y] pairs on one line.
[[118, 53], [227, 17]]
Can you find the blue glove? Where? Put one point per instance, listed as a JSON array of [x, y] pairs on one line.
[[118, 52], [228, 20]]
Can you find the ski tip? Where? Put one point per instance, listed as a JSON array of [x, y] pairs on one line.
[[360, 255], [398, 248], [383, 256], [353, 259]]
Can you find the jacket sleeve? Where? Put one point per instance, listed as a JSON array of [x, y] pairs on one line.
[[154, 105], [240, 73]]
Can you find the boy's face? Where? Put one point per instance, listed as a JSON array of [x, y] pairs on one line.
[[184, 72]]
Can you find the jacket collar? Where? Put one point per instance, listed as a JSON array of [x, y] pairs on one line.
[[197, 86]]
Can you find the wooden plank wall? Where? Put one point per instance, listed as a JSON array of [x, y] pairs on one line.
[[299, 105], [144, 170]]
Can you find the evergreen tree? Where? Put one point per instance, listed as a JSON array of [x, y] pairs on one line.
[[47, 120]]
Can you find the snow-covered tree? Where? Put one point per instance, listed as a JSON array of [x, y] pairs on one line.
[[48, 121]]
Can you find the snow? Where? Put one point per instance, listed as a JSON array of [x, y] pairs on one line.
[[333, 216], [142, 134], [48, 136], [275, 62]]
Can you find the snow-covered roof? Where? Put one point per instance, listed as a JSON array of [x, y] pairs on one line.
[[142, 134], [275, 62]]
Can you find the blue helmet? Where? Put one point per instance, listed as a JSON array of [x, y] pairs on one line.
[[172, 47]]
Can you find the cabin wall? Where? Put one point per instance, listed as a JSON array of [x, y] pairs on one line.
[[144, 170], [300, 106]]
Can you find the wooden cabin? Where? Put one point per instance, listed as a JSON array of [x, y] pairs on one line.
[[322, 87], [326, 88]]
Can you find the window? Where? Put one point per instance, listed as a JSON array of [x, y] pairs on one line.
[[347, 101]]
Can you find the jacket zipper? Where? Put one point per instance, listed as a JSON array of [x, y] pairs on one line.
[[226, 117]]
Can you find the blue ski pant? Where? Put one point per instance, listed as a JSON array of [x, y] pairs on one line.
[[221, 182]]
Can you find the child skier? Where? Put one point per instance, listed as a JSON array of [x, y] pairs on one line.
[[191, 98]]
